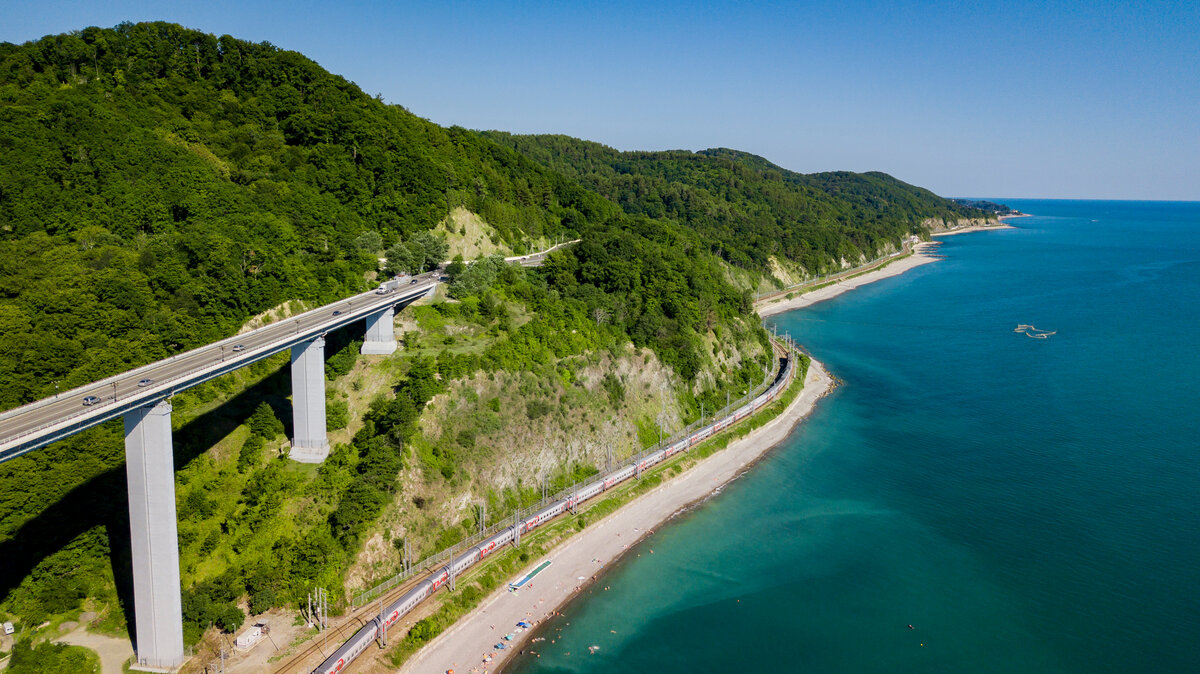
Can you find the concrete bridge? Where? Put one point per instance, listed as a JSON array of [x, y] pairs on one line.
[[142, 397]]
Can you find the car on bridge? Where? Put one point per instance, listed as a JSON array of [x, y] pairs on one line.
[[90, 400], [240, 347], [142, 383]]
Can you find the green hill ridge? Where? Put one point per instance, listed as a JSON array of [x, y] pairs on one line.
[[747, 209], [160, 187]]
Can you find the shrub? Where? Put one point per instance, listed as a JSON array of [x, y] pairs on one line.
[[536, 409], [264, 423], [230, 619], [250, 454], [262, 601], [337, 414]]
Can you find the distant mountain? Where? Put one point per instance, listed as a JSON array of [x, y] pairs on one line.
[[985, 206], [746, 208]]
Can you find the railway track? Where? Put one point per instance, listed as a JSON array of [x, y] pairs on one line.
[[341, 635], [323, 644]]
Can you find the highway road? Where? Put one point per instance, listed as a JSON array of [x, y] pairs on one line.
[[41, 422]]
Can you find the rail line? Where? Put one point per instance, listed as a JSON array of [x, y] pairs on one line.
[[349, 651], [337, 635]]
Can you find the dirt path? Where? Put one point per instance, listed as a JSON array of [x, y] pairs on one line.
[[114, 652]]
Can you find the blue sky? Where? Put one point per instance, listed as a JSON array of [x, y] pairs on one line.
[[1017, 99]]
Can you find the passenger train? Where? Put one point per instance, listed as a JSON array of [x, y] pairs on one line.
[[372, 630]]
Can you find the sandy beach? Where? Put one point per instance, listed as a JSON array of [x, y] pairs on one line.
[[464, 646], [978, 228], [922, 254]]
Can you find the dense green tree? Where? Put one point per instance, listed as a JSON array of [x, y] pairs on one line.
[[51, 658], [250, 454], [264, 423], [455, 268]]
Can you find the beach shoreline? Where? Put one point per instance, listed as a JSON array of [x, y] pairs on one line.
[[922, 254], [978, 228], [587, 554]]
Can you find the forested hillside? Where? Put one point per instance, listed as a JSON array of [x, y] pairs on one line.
[[745, 208], [160, 186]]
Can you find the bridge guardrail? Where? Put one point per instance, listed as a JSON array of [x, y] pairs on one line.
[[163, 389]]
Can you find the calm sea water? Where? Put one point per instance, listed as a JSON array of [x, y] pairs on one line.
[[1026, 505]]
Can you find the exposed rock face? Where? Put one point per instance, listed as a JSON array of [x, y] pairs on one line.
[[946, 225], [510, 430]]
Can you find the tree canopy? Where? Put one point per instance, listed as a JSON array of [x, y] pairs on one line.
[[745, 208]]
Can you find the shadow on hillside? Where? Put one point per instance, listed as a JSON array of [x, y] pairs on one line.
[[103, 500]]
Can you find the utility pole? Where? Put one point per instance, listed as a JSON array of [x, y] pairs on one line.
[[382, 624], [662, 415], [451, 568], [482, 516]]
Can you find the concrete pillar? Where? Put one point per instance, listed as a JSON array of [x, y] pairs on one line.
[[150, 468], [381, 338], [310, 444]]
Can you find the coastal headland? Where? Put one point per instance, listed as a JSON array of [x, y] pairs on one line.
[[581, 560]]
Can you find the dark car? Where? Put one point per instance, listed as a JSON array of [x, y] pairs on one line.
[[337, 313], [240, 347], [145, 382], [412, 281], [90, 400]]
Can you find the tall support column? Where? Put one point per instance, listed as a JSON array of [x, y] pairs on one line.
[[310, 444], [381, 337], [150, 469]]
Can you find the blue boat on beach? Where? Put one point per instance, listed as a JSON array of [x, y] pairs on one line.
[[514, 586]]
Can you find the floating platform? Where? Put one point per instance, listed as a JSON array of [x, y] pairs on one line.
[[1034, 332]]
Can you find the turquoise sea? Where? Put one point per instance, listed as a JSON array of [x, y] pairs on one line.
[[1027, 505]]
